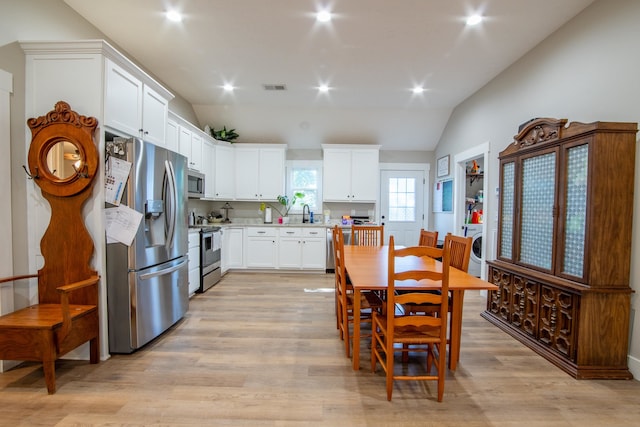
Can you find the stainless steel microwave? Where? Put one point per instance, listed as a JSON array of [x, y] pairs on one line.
[[195, 184]]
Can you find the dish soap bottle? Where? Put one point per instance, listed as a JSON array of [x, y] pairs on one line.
[[192, 219]]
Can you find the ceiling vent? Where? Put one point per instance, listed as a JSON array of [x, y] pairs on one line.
[[274, 87]]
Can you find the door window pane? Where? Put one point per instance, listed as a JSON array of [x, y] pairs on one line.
[[402, 199]]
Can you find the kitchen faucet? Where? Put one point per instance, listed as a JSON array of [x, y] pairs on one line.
[[305, 209]]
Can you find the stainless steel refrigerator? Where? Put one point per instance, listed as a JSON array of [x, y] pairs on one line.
[[147, 282]]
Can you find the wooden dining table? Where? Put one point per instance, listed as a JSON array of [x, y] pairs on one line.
[[367, 269]]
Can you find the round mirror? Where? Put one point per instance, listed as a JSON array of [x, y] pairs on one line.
[[64, 159]]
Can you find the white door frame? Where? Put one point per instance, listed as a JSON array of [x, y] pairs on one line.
[[460, 160], [6, 227], [424, 167]]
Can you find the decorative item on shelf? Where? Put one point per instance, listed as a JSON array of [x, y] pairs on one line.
[[287, 204], [222, 134]]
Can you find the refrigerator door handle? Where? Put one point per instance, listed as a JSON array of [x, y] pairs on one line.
[[174, 201], [148, 276]]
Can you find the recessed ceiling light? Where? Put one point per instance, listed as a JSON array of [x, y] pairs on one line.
[[323, 88], [228, 87], [323, 16], [418, 90], [174, 15], [474, 20]]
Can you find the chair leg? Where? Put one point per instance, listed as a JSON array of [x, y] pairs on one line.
[[442, 366], [389, 362]]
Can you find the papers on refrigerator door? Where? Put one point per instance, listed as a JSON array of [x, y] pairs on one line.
[[122, 224], [115, 179]]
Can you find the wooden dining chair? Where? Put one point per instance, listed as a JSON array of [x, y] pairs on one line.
[[428, 238], [460, 253], [367, 235], [370, 302], [426, 331]]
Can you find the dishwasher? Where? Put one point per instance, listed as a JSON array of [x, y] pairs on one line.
[[331, 262]]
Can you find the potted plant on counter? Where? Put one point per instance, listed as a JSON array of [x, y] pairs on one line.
[[287, 204]]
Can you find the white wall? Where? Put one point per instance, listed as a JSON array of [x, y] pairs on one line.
[[586, 71]]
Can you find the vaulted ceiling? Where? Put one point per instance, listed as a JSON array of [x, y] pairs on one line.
[[371, 55]]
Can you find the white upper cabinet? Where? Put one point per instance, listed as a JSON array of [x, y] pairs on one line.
[[224, 180], [208, 168], [259, 171], [171, 140], [154, 116], [350, 173], [190, 145], [133, 107]]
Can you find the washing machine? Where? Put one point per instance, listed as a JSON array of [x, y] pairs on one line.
[[475, 260]]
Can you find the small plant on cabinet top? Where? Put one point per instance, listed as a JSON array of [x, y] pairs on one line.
[[224, 134]]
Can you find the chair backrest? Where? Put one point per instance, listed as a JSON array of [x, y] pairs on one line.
[[66, 246], [428, 238], [413, 270], [460, 251], [367, 235]]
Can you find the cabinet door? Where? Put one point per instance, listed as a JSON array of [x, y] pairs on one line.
[[575, 211], [208, 168], [224, 173], [123, 100], [537, 206], [272, 172], [289, 252], [154, 116], [172, 137], [336, 175], [364, 175], [261, 252], [184, 144], [314, 253], [233, 256], [196, 152], [247, 166], [507, 210]]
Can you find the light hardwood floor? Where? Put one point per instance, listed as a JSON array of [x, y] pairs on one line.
[[258, 350]]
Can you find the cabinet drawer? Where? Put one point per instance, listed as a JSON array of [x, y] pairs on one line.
[[261, 232], [290, 232], [194, 240], [314, 232]]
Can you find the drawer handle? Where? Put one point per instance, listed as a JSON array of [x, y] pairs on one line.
[[313, 232], [261, 232]]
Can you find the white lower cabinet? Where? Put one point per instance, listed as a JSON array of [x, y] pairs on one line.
[[232, 248], [302, 248], [314, 249], [273, 247], [290, 248], [262, 243], [194, 262]]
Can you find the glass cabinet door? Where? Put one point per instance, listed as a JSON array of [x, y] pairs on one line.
[[575, 217], [537, 210], [507, 206]]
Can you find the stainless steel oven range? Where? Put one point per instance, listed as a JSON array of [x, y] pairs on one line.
[[210, 257]]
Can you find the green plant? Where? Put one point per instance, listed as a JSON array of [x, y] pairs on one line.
[[224, 134], [288, 203]]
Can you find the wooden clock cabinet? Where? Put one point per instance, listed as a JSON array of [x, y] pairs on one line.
[[564, 244]]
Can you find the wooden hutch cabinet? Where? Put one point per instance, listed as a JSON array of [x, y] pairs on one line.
[[564, 244]]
